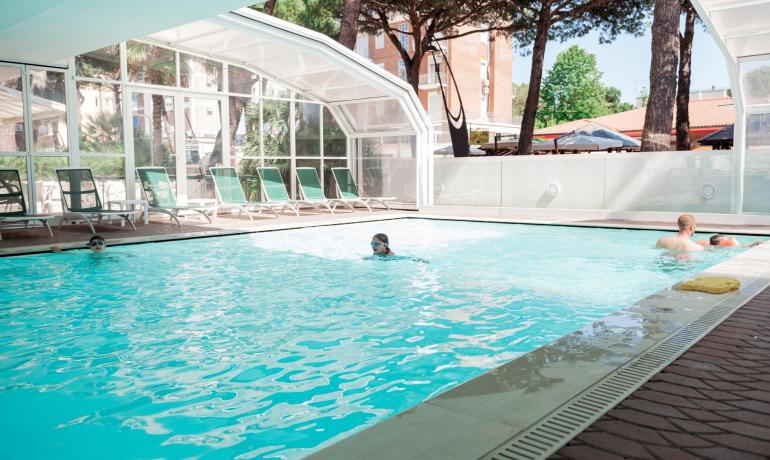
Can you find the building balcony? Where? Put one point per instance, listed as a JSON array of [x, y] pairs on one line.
[[431, 79]]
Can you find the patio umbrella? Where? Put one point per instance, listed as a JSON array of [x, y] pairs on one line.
[[577, 141], [597, 130]]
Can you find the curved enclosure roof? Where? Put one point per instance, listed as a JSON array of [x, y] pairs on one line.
[[742, 25], [369, 99]]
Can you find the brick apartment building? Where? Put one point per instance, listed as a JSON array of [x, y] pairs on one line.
[[482, 64]]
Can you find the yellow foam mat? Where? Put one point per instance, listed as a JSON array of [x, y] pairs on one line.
[[710, 284]]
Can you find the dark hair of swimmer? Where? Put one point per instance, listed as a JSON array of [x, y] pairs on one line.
[[716, 240]]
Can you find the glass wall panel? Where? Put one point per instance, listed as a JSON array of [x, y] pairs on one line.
[[203, 144], [199, 73], [275, 125], [48, 197], [247, 173], [102, 63], [150, 64], [388, 167], [11, 111], [758, 130], [153, 122], [756, 81], [330, 186], [242, 81], [307, 129], [100, 121], [244, 128], [20, 163], [109, 174], [335, 142], [49, 110], [273, 89]]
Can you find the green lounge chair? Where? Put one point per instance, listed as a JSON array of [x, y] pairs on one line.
[[347, 190], [159, 193], [13, 208], [80, 199], [275, 190], [312, 191], [230, 193]]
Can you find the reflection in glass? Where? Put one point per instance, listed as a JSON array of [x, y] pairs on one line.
[[275, 124], [99, 117], [109, 174], [758, 130], [273, 89], [203, 144], [102, 63], [756, 80], [242, 81], [48, 197], [244, 128], [152, 116], [307, 129], [150, 64], [199, 73], [334, 138], [49, 111], [11, 112]]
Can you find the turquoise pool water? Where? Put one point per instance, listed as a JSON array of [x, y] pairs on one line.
[[269, 345]]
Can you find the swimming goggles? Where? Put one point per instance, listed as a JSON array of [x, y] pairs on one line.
[[96, 242]]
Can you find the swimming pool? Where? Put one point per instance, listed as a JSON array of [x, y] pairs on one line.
[[271, 344]]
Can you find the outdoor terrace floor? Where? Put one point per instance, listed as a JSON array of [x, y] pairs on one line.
[[712, 402]]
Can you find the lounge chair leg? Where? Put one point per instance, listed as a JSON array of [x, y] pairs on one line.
[[48, 227]]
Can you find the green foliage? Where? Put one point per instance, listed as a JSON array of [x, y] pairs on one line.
[[319, 15], [614, 104], [103, 132], [572, 89], [757, 83]]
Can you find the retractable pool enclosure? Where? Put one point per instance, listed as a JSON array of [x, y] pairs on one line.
[[237, 89]]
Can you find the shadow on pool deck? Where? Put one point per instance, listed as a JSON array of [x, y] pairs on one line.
[[712, 402]]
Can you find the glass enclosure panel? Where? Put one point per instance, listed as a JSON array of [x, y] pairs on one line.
[[100, 121], [273, 89], [203, 144], [284, 165], [152, 117], [756, 81], [101, 63], [307, 129], [199, 73], [244, 128], [377, 116], [388, 167], [334, 138], [242, 81], [48, 196], [330, 187], [275, 125], [20, 163], [758, 130], [247, 173], [109, 174], [11, 112], [150, 64], [305, 164], [49, 111]]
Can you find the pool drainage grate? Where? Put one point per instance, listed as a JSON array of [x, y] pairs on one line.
[[559, 427]]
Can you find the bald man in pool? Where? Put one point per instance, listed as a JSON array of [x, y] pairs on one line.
[[681, 242]]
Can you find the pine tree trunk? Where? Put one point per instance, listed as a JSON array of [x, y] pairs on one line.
[[269, 7], [663, 74], [349, 23], [156, 144], [683, 87], [413, 71], [535, 78]]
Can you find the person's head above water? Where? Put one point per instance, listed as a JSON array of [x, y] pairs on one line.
[[381, 245], [716, 240], [686, 224], [97, 244]]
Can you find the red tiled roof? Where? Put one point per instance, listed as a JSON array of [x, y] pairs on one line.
[[704, 113]]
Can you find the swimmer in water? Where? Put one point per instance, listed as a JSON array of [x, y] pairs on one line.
[[96, 244], [723, 241], [381, 245]]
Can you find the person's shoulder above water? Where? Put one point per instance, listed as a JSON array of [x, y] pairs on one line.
[[681, 242]]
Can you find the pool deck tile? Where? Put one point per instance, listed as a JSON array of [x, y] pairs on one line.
[[712, 402]]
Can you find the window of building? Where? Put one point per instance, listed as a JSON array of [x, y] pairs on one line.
[[484, 36], [379, 40], [403, 36], [483, 70], [401, 70], [362, 45]]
